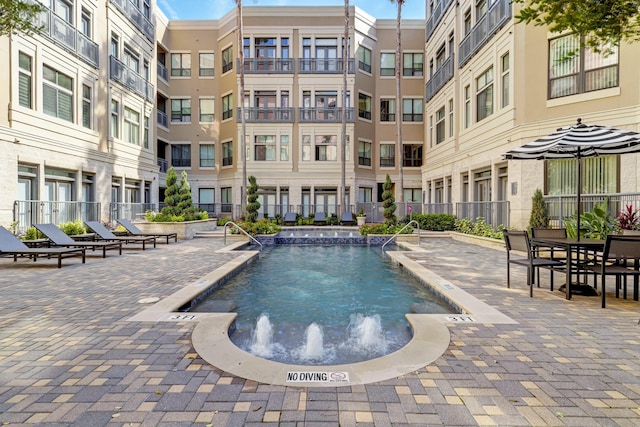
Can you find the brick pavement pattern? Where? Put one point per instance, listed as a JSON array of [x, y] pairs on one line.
[[69, 356]]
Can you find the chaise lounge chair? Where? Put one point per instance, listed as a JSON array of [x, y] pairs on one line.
[[135, 231], [11, 245], [290, 218], [59, 238], [105, 234], [320, 218], [347, 219]]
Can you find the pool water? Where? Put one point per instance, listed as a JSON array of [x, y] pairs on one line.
[[322, 305]]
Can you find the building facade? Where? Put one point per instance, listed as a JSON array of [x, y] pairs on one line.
[[112, 94]]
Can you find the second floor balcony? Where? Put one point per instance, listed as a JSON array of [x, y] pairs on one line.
[[497, 16], [163, 72], [324, 115], [324, 65], [440, 78], [268, 66], [163, 119], [267, 115], [122, 74]]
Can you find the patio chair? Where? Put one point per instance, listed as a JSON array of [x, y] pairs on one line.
[[59, 238], [347, 219], [320, 218], [135, 231], [11, 245], [519, 241], [620, 258], [290, 218], [105, 234]]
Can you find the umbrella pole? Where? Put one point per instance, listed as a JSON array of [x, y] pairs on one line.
[[579, 195]]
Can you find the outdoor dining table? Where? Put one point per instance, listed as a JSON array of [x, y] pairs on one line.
[[573, 247]]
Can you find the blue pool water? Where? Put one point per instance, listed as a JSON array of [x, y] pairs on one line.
[[354, 297]]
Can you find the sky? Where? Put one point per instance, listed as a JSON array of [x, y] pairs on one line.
[[215, 9]]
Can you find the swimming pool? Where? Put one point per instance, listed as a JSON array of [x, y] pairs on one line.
[[323, 304]]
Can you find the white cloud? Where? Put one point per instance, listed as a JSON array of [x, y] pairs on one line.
[[167, 9]]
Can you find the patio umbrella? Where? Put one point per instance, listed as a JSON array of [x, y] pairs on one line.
[[578, 141]]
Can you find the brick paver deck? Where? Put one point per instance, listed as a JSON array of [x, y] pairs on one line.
[[69, 356]]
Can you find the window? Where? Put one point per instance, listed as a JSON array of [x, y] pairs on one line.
[[412, 110], [387, 110], [387, 155], [207, 155], [467, 22], [227, 153], [131, 126], [206, 199], [450, 117], [484, 95], [413, 64], [326, 54], [364, 153], [441, 56], [63, 9], [365, 194], [146, 8], [25, 96], [481, 9], [181, 155], [364, 59], [505, 80], [599, 175], [227, 59], [412, 155], [145, 135], [227, 107], [131, 59], [114, 127], [265, 148], [226, 198], [265, 47], [306, 148], [364, 106], [574, 69], [387, 64], [57, 94], [451, 43], [86, 106], [85, 22], [180, 64], [181, 110], [206, 64], [326, 147], [206, 110], [115, 45], [467, 106], [284, 148], [440, 134]]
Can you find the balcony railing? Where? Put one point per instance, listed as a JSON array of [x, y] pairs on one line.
[[563, 207], [163, 72], [436, 16], [496, 17], [130, 211], [163, 119], [438, 208], [29, 212], [324, 66], [267, 115], [494, 213], [324, 115], [136, 17], [124, 75], [163, 166], [268, 65], [65, 34], [439, 78]]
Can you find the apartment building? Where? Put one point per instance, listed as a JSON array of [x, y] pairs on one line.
[[75, 129], [494, 85], [293, 104]]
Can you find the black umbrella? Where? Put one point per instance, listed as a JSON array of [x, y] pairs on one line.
[[578, 141]]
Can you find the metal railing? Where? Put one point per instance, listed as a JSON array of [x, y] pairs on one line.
[[497, 15], [324, 115], [268, 65], [136, 17], [130, 211], [438, 208], [436, 16], [440, 78], [119, 72], [399, 232], [163, 72], [324, 65], [267, 115], [163, 119], [241, 230], [563, 207], [29, 212], [494, 213]]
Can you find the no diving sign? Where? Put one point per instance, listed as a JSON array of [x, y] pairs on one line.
[[317, 377]]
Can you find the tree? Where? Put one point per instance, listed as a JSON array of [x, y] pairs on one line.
[[171, 193], [185, 201], [388, 203], [598, 22], [252, 198], [345, 65], [400, 149], [19, 16], [539, 217]]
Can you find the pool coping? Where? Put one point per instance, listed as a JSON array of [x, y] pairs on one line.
[[431, 337]]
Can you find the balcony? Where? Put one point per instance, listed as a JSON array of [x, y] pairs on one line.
[[268, 66], [324, 66], [163, 72], [136, 17], [495, 18], [122, 74], [65, 34], [324, 115], [436, 16], [267, 115], [163, 166], [163, 119], [440, 78]]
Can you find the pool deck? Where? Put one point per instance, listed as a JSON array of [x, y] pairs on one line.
[[71, 355]]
